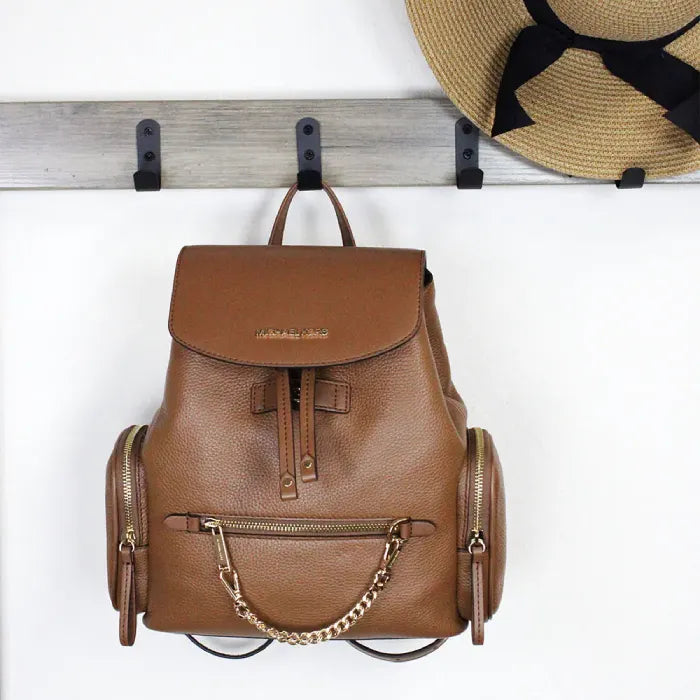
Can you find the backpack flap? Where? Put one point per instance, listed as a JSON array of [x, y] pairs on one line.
[[295, 306]]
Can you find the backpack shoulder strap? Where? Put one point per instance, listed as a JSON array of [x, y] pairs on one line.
[[399, 657], [222, 655]]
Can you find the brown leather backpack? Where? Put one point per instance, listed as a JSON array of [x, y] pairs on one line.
[[309, 475]]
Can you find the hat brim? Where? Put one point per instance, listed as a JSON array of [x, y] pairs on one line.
[[588, 122]]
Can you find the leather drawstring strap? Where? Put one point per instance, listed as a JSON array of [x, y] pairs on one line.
[[330, 396], [307, 428], [127, 597], [306, 400], [288, 480]]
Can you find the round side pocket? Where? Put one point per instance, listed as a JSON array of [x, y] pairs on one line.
[[125, 510], [481, 547]]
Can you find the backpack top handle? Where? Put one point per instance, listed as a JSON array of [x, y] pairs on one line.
[[281, 219]]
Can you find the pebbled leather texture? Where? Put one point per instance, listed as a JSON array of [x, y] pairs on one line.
[[376, 409], [206, 421]]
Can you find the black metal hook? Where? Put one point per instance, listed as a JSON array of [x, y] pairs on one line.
[[147, 177], [632, 179], [309, 154], [469, 175]]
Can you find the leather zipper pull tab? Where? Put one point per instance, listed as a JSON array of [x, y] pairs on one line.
[[285, 436], [127, 594], [307, 426], [477, 548]]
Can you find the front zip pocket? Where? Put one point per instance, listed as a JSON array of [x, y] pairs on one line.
[[127, 531], [251, 526], [259, 587]]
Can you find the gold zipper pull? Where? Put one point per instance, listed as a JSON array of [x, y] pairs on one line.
[[223, 558], [476, 540], [394, 543], [220, 548], [129, 540]]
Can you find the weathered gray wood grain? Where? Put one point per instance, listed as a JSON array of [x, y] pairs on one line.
[[251, 143]]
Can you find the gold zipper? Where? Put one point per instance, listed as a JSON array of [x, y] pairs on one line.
[[129, 537], [477, 531], [277, 527]]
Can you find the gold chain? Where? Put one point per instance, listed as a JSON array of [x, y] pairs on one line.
[[229, 578]]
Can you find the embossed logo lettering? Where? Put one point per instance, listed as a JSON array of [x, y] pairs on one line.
[[291, 333]]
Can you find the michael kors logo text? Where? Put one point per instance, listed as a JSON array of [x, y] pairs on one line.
[[291, 333]]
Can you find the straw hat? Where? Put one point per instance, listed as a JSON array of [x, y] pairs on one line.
[[561, 96]]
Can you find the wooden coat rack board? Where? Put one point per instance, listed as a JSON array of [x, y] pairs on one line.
[[208, 144]]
